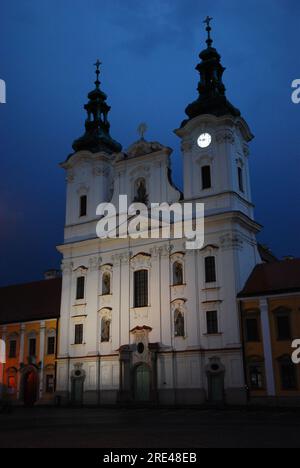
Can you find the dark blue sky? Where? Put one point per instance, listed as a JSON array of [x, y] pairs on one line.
[[149, 50]]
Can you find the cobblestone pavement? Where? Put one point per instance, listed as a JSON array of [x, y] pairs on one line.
[[149, 428]]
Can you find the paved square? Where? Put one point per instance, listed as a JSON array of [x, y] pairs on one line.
[[149, 428]]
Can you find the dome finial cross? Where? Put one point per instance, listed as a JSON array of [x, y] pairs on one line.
[[97, 65], [207, 21]]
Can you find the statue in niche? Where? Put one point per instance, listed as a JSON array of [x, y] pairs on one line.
[[179, 324], [105, 330], [177, 274], [106, 287], [141, 192]]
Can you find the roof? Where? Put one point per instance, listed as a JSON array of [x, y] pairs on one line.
[[266, 254], [273, 278], [29, 302]]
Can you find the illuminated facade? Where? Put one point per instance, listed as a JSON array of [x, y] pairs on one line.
[[270, 308], [28, 325]]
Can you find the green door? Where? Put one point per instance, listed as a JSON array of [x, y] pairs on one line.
[[217, 388], [142, 383]]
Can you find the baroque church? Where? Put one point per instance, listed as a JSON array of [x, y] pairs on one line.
[[146, 320]]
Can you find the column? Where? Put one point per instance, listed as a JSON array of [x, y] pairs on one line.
[[2, 360], [264, 310], [21, 356], [92, 332], [116, 332], [41, 357]]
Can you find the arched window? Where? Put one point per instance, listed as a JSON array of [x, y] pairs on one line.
[[177, 274], [179, 324], [141, 288], [206, 177], [105, 330], [140, 192], [106, 284]]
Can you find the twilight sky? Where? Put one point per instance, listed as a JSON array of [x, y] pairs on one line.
[[149, 51]]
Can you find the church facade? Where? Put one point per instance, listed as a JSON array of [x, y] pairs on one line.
[[146, 320]]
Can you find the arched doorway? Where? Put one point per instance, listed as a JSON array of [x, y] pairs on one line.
[[30, 387], [142, 383]]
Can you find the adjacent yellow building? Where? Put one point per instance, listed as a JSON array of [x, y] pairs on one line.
[[270, 310], [29, 315]]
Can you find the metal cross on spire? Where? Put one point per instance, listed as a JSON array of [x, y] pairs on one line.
[[97, 65], [207, 21]]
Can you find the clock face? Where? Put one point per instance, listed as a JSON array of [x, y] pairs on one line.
[[204, 140]]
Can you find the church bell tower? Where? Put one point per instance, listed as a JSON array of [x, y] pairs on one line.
[[215, 141]]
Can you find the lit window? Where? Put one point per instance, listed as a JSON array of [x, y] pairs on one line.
[[49, 383], [256, 376]]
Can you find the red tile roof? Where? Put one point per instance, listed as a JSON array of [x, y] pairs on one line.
[[30, 302], [273, 278]]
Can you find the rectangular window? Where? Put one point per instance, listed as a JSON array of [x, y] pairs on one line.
[[241, 179], [252, 332], [141, 289], [212, 322], [51, 346], [210, 270], [12, 349], [49, 383], [206, 178], [283, 327], [80, 288], [79, 334], [288, 375], [32, 347], [83, 206]]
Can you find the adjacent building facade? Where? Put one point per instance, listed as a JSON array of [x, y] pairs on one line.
[[270, 308], [29, 316]]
